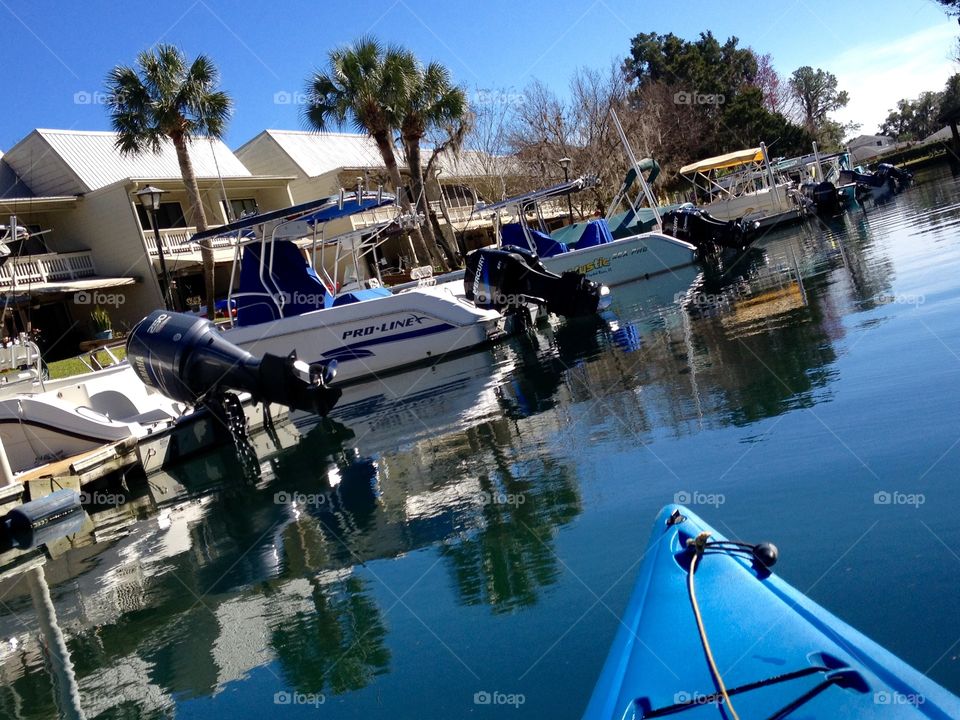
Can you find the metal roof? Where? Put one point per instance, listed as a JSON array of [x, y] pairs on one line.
[[318, 153], [468, 164], [97, 162], [11, 186]]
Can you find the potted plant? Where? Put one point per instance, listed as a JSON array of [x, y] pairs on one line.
[[102, 325]]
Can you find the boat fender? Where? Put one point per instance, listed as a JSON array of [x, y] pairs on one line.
[[44, 520]]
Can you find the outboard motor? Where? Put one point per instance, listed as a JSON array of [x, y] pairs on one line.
[[897, 179], [825, 198], [187, 359], [505, 279], [710, 235]]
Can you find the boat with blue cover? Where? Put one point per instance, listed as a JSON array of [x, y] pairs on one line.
[[299, 288], [597, 254], [711, 632]]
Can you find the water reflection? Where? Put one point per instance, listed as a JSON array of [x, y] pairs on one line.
[[203, 576]]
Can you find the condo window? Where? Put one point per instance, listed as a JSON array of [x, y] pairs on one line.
[[243, 206], [170, 215]]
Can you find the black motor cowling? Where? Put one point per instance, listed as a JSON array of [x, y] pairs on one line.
[[187, 359], [825, 198], [707, 233], [506, 279]]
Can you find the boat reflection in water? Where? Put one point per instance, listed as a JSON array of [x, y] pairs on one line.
[[205, 579]]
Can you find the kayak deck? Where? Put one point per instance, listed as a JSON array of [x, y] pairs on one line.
[[778, 653]]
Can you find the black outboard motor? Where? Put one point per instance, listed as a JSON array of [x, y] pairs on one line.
[[826, 199], [710, 235], [899, 179], [505, 279], [885, 178], [187, 359]]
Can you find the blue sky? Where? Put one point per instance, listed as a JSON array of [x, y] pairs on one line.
[[54, 55]]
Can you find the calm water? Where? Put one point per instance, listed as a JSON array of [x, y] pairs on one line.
[[483, 535]]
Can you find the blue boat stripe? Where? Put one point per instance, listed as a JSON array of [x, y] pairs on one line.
[[391, 338]]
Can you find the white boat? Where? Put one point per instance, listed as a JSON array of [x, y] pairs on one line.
[[46, 421], [596, 255], [742, 185], [158, 405], [288, 298]]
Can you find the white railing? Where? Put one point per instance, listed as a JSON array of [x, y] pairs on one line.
[[48, 267], [175, 241]]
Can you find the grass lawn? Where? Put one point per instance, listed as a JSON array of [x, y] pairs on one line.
[[74, 366]]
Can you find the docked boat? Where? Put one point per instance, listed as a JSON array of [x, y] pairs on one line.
[[174, 394], [288, 298], [883, 182], [596, 254], [743, 185], [634, 211], [820, 179], [710, 631]]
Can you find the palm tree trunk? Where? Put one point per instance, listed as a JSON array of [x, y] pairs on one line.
[[415, 165], [199, 219], [417, 246], [458, 242]]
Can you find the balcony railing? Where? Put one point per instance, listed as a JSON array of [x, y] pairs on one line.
[[174, 241], [48, 267]]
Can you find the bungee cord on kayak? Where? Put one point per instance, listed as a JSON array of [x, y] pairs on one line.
[[698, 545]]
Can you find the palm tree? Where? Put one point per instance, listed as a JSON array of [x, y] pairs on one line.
[[432, 103], [367, 84], [164, 98]]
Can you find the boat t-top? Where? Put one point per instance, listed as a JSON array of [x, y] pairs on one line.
[[323, 296], [520, 222]]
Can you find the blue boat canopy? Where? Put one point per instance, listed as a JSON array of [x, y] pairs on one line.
[[315, 212]]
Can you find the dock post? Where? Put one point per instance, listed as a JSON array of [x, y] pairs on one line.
[[6, 474]]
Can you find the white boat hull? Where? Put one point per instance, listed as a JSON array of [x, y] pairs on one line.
[[75, 415], [622, 261], [376, 336]]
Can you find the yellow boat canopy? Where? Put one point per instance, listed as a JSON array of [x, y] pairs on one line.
[[740, 157]]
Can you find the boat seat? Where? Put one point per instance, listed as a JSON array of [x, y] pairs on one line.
[[120, 408], [359, 296], [545, 246], [291, 276], [114, 404], [597, 232]]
